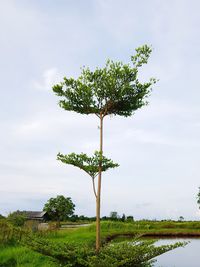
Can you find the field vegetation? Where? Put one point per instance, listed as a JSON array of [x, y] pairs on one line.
[[76, 246]]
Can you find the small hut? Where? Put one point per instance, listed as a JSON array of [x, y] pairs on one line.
[[40, 216]]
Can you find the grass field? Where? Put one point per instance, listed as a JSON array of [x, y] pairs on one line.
[[110, 228], [21, 256]]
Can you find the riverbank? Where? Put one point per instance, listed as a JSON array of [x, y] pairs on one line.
[[85, 237], [111, 230]]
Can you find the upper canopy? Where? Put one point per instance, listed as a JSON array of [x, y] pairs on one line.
[[114, 89]]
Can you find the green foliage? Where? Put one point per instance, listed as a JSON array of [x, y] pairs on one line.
[[89, 164], [75, 247], [59, 208], [109, 227], [133, 253], [166, 228], [111, 230], [67, 253], [6, 230], [17, 218], [123, 218], [129, 254], [114, 215], [198, 198], [8, 233], [24, 257], [114, 89], [129, 218], [1, 217], [181, 219]]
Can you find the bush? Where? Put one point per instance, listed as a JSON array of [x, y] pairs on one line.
[[17, 218], [133, 253], [2, 217], [8, 263], [9, 233], [5, 231], [130, 254]]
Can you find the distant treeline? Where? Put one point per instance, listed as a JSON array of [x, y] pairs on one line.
[[112, 217]]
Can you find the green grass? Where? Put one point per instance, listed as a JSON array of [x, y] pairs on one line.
[[75, 236], [87, 234], [17, 256]]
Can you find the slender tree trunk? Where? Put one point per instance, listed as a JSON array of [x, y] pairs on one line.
[[98, 198], [94, 189]]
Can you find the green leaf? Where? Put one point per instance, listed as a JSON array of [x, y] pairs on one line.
[[89, 164], [114, 89]]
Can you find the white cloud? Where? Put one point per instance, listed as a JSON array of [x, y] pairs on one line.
[[49, 78]]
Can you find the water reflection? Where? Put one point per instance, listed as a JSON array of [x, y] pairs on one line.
[[188, 256]]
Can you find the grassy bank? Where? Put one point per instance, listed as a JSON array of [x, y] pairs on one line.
[[111, 229], [24, 256]]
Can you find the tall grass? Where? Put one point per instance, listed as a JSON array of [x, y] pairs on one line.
[[8, 233], [24, 257]]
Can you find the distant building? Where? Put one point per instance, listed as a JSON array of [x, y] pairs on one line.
[[36, 215]]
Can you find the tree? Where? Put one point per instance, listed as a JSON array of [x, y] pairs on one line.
[[198, 198], [123, 217], [112, 90], [59, 208], [88, 164], [114, 215], [181, 219], [129, 218]]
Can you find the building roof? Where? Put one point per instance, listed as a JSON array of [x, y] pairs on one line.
[[34, 214]]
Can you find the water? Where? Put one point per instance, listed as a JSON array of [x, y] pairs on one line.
[[188, 256]]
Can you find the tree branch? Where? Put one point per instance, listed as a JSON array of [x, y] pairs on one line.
[[94, 189]]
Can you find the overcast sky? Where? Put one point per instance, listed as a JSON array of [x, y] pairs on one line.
[[158, 148]]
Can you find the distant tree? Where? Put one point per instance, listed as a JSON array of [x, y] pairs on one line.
[[59, 208], [114, 215], [123, 218], [1, 217], [181, 219], [112, 90], [74, 218], [198, 198], [17, 218], [82, 217], [129, 218], [105, 218]]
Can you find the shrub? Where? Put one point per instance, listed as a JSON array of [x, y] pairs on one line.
[[2, 217], [5, 231], [130, 254], [134, 253], [17, 218], [9, 233]]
